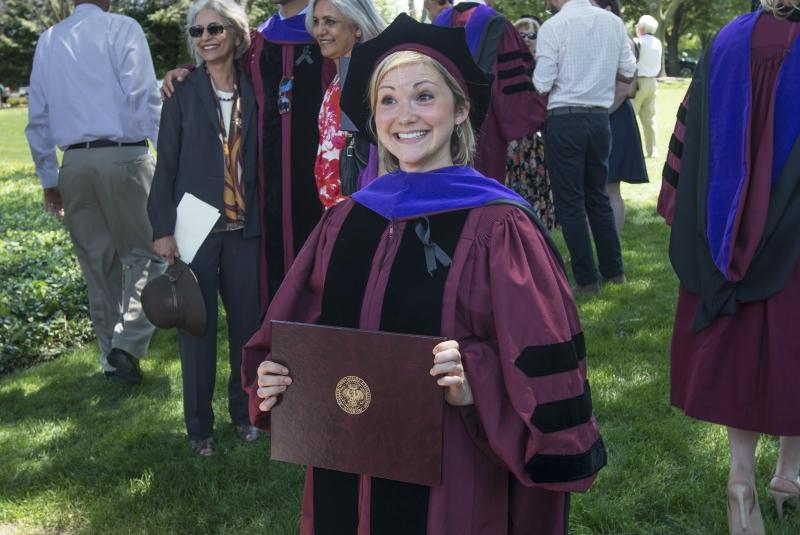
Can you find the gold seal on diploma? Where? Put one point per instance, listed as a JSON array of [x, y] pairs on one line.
[[353, 395]]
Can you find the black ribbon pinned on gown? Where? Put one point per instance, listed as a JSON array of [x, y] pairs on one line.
[[433, 253]]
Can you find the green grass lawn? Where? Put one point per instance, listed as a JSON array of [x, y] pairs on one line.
[[84, 455]]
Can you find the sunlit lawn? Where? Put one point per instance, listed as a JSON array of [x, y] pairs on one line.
[[83, 455]]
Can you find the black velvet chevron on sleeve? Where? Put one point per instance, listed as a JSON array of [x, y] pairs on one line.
[[564, 413], [539, 361], [546, 468]]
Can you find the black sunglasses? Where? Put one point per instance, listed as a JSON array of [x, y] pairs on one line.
[[529, 35], [214, 28]]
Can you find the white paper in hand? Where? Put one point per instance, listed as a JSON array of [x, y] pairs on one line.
[[195, 220]]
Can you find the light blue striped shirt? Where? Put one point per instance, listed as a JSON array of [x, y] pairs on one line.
[[92, 78]]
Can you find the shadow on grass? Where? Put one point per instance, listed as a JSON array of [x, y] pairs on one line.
[[89, 455]]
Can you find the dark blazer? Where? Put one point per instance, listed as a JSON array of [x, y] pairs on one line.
[[190, 154]]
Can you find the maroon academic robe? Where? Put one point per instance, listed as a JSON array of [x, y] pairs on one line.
[[742, 370], [510, 459], [289, 207], [516, 109]]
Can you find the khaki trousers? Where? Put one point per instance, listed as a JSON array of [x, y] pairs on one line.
[[644, 103], [105, 191]]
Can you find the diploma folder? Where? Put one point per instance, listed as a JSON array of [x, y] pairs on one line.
[[362, 402]]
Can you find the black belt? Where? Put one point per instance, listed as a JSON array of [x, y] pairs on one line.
[[577, 109], [102, 143]]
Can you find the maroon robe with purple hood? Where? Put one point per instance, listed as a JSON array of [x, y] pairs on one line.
[[511, 459]]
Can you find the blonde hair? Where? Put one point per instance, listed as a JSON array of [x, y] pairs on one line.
[[232, 14], [781, 8], [462, 140]]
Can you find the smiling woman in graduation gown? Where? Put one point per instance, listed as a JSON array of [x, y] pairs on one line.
[[443, 250]]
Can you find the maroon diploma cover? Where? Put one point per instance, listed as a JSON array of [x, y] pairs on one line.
[[360, 401]]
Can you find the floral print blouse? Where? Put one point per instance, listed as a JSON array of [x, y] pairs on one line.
[[331, 141]]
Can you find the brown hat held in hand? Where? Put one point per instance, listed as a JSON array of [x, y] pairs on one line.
[[174, 299]]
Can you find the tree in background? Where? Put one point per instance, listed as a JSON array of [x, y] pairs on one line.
[[163, 21], [682, 19], [678, 20], [515, 9]]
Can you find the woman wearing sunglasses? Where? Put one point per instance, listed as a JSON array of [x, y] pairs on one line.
[[337, 25], [207, 147]]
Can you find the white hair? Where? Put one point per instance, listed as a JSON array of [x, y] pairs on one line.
[[362, 13], [648, 24], [232, 14], [781, 8]]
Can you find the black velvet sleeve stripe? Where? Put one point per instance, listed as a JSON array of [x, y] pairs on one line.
[[565, 413], [509, 56], [539, 361], [560, 468], [682, 114], [580, 345], [676, 147], [505, 74], [519, 88], [670, 175], [527, 57]]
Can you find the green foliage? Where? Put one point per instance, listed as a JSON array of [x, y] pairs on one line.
[[18, 101], [515, 9], [43, 299]]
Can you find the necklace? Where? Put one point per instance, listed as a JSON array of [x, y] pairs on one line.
[[225, 99]]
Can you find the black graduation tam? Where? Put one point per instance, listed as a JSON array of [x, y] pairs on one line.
[[448, 46]]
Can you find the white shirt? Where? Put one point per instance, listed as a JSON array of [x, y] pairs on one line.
[[226, 107], [578, 54], [649, 56], [92, 78]]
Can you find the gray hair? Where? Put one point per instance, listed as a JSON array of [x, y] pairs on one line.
[[234, 17], [362, 13], [648, 24], [781, 8]]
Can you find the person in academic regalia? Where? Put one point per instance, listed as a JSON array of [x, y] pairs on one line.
[[289, 76], [516, 109], [730, 192], [464, 258]]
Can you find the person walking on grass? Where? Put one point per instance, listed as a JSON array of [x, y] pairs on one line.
[[580, 53], [648, 69], [730, 194], [93, 93]]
